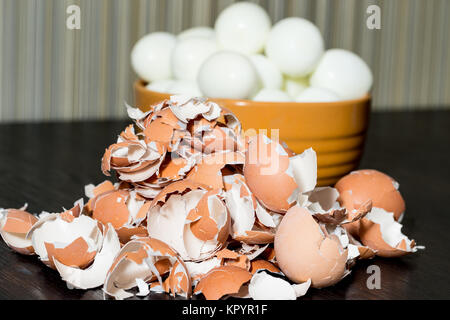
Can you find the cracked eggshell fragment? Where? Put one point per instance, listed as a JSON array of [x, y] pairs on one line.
[[379, 231], [195, 223], [73, 241], [91, 191], [359, 186], [93, 276], [261, 264], [264, 286], [123, 209], [303, 251], [149, 260], [244, 209], [14, 226], [222, 281], [208, 170], [266, 172]]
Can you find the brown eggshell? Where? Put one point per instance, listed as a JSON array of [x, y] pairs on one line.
[[75, 254], [17, 222], [362, 185], [222, 281], [265, 173], [263, 265], [371, 236], [303, 252], [111, 208]]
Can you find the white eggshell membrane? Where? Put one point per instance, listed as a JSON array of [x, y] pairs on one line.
[[227, 74], [264, 286], [344, 73], [151, 56], [189, 54], [295, 45], [243, 27]]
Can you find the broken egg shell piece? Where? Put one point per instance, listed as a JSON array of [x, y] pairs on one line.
[[121, 208], [359, 186], [261, 264], [244, 208], [91, 191], [177, 187], [304, 252], [264, 286], [222, 281], [364, 251], [14, 226], [187, 108], [73, 242], [208, 170], [195, 224], [93, 276], [303, 168], [267, 174], [379, 231], [141, 259], [197, 269]]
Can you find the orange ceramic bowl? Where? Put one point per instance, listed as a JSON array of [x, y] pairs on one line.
[[335, 130]]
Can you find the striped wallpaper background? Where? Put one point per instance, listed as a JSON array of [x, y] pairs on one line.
[[48, 72]]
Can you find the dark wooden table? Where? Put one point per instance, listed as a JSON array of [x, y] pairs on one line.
[[47, 166]]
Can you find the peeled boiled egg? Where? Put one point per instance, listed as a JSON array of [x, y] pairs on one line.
[[295, 45], [197, 32], [189, 54], [268, 72], [150, 56], [227, 74], [294, 86], [185, 87], [272, 95], [161, 85], [343, 72], [243, 27], [316, 94]]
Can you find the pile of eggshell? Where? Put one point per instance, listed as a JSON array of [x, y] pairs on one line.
[[200, 209], [229, 61]]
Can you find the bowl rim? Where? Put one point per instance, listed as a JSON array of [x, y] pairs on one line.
[[140, 84]]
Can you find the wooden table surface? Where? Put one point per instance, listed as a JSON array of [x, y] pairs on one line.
[[47, 166]]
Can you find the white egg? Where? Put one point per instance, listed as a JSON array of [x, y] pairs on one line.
[[161, 85], [150, 56], [295, 45], [243, 27], [197, 32], [188, 55], [343, 72], [185, 87], [316, 94], [228, 74], [268, 72], [272, 95], [295, 86]]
